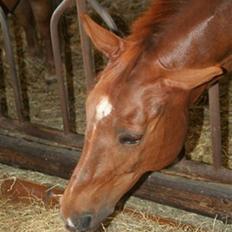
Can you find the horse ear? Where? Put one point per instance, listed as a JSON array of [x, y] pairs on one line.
[[192, 78], [105, 41]]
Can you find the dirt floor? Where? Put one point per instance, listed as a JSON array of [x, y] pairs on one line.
[[44, 107]]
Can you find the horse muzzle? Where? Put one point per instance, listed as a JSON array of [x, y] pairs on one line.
[[86, 222]]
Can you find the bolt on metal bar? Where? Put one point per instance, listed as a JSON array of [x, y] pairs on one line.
[[214, 112], [13, 73], [87, 53], [63, 90]]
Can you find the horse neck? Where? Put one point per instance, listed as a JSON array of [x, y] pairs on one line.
[[184, 37], [203, 42]]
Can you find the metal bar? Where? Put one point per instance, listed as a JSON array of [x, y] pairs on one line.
[[37, 156], [13, 73], [41, 133], [102, 12], [63, 90], [3, 103], [214, 112], [19, 190], [87, 54], [211, 199], [197, 170]]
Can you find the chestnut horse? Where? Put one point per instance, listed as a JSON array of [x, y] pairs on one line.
[[137, 113], [29, 14]]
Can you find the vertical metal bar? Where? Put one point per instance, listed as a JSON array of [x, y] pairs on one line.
[[214, 112], [102, 12], [86, 47], [3, 103], [14, 78], [63, 90]]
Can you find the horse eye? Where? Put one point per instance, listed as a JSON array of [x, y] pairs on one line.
[[130, 139]]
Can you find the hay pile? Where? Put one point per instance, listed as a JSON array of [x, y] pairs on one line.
[[20, 217], [137, 216], [35, 217]]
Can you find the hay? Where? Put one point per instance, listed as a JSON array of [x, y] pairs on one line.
[[29, 218], [36, 217]]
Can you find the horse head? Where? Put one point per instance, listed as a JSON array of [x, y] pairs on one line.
[[137, 117]]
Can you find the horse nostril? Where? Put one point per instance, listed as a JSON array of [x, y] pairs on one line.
[[85, 221], [79, 222]]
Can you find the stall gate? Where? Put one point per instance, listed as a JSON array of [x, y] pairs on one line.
[[190, 185]]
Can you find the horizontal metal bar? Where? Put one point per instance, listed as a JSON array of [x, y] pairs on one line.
[[49, 159], [199, 170], [42, 132], [19, 190], [210, 199]]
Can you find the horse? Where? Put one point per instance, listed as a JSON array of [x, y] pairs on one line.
[[29, 14], [137, 113]]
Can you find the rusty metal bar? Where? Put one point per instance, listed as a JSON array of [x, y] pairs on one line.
[[3, 103], [38, 156], [63, 90], [42, 133], [197, 170], [19, 190], [214, 114], [13, 73], [87, 53], [211, 199]]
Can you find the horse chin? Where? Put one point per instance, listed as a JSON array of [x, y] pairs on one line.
[[101, 219]]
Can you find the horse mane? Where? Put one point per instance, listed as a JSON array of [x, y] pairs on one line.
[[150, 25]]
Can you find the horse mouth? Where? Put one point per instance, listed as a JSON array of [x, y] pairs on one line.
[[72, 229]]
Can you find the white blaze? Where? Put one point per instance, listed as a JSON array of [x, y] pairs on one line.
[[103, 108]]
